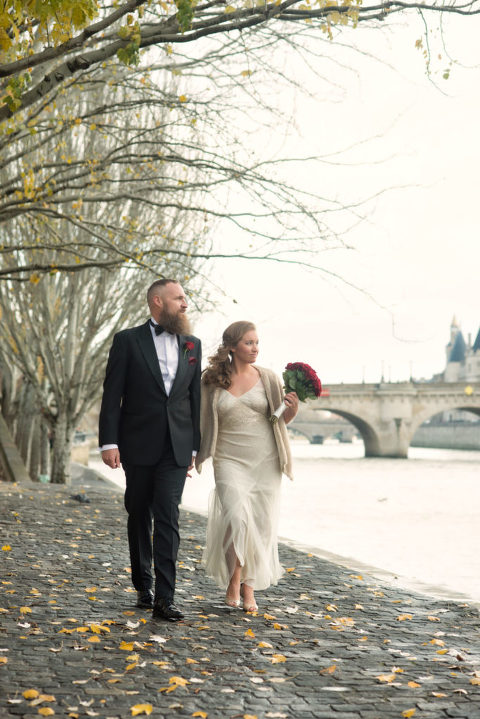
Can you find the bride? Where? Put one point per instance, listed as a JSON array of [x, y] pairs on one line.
[[249, 456]]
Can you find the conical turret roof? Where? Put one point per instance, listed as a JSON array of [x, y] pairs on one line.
[[458, 350], [476, 344]]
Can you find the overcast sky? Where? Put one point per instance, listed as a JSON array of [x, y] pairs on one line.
[[416, 254]]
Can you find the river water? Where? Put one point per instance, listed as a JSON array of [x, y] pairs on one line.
[[412, 522]]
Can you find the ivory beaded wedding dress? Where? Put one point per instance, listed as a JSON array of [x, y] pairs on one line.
[[244, 506]]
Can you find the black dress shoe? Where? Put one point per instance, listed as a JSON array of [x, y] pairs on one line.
[[166, 609], [145, 598]]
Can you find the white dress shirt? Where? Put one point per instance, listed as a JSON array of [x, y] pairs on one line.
[[166, 346]]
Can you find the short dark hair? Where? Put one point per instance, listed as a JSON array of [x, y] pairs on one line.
[[158, 283]]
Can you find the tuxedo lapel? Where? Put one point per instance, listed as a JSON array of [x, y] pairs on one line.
[[182, 364], [147, 345]]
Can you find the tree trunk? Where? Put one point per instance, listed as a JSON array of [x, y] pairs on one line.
[[44, 448], [25, 421], [61, 450], [34, 464]]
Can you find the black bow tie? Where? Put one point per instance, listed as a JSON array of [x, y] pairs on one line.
[[158, 328]]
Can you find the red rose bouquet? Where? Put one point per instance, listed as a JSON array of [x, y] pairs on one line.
[[300, 378]]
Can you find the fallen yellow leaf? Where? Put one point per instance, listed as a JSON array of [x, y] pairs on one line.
[[328, 670], [403, 617], [249, 633], [475, 681], [98, 628], [433, 619], [438, 642], [413, 685], [141, 709], [46, 712], [386, 677], [264, 645], [126, 646], [250, 716], [202, 715], [94, 639], [25, 610], [190, 661], [408, 713], [278, 659], [439, 694], [3, 660], [179, 681], [30, 693], [6, 548]]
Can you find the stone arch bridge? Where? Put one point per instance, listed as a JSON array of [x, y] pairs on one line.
[[387, 414]]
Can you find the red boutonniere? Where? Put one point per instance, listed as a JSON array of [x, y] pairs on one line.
[[188, 347]]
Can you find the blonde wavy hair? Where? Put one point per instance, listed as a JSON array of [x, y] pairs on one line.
[[219, 369]]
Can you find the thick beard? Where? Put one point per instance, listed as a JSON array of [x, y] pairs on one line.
[[176, 324]]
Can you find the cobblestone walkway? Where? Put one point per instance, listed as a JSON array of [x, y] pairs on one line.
[[325, 644]]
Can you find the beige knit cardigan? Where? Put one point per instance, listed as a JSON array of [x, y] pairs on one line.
[[209, 421]]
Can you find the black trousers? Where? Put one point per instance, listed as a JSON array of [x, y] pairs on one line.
[[152, 496]]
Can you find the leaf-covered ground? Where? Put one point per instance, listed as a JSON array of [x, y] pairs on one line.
[[325, 644]]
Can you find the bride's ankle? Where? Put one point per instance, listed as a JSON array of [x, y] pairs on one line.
[[233, 590], [247, 592]]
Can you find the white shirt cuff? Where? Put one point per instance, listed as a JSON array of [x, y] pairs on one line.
[[104, 447]]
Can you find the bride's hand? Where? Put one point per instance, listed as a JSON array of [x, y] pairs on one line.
[[291, 400]]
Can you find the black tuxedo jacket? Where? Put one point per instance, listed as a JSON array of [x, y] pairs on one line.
[[136, 413]]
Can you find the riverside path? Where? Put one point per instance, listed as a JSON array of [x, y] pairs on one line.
[[326, 643]]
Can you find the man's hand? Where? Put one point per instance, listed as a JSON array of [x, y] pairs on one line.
[[111, 457], [189, 469]]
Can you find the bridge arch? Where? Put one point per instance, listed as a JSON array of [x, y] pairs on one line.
[[297, 430], [422, 417], [367, 432], [462, 434]]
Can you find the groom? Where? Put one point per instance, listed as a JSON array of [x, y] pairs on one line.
[[150, 422]]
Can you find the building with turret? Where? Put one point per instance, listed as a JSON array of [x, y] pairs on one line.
[[462, 357]]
